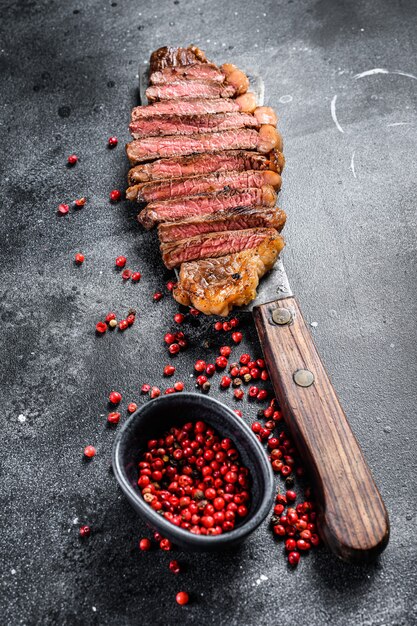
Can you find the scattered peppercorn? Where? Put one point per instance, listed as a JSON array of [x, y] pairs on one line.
[[79, 258], [89, 452], [63, 209], [115, 195], [120, 261], [80, 202], [136, 276], [145, 545], [115, 397], [182, 598], [179, 318], [174, 566], [132, 407], [113, 141], [126, 274], [179, 386], [169, 370], [123, 324], [157, 296], [85, 531], [113, 418], [101, 328], [72, 159]]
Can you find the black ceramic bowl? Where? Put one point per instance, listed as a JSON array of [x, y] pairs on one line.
[[157, 416]]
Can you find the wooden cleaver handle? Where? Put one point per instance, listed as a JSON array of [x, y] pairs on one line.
[[352, 517]]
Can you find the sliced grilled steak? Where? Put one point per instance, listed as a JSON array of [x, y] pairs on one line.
[[172, 57], [187, 89], [193, 206], [240, 218], [196, 185], [206, 163], [150, 148], [196, 106], [190, 124], [215, 286], [213, 245], [198, 71]]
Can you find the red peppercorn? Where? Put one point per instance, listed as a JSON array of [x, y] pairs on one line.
[[136, 276], [145, 388], [126, 274], [110, 317], [239, 413], [225, 351], [174, 348], [120, 261], [170, 285], [291, 496], [174, 566], [169, 370], [182, 598], [113, 141], [237, 337], [264, 375], [221, 362], [200, 380], [132, 407], [179, 318], [165, 544], [157, 296], [79, 258], [145, 545], [72, 159], [101, 328], [210, 369], [290, 545], [155, 392], [123, 324], [238, 394], [113, 418], [225, 382], [89, 452], [279, 530], [234, 322], [293, 558], [218, 326], [85, 531], [303, 545], [80, 202], [115, 195], [244, 359], [63, 209], [194, 312], [200, 366], [179, 386], [169, 338], [115, 397], [262, 395], [227, 326], [253, 392], [131, 319]]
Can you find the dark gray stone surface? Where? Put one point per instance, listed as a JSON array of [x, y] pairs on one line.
[[68, 81]]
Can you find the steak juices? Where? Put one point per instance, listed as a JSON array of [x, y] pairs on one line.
[[195, 479], [207, 164]]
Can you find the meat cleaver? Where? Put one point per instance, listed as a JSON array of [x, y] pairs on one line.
[[352, 518]]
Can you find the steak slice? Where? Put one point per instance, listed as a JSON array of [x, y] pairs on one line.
[[215, 286], [197, 71], [173, 57], [194, 206], [190, 89], [194, 106], [213, 245], [206, 163], [196, 185], [240, 218], [150, 148], [191, 124]]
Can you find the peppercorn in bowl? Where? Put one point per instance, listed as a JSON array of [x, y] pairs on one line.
[[194, 471]]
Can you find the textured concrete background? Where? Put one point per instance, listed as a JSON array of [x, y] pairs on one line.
[[68, 81]]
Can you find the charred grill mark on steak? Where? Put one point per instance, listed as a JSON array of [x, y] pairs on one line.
[[174, 57]]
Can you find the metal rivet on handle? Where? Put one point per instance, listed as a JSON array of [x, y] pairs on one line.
[[281, 316], [303, 378]]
